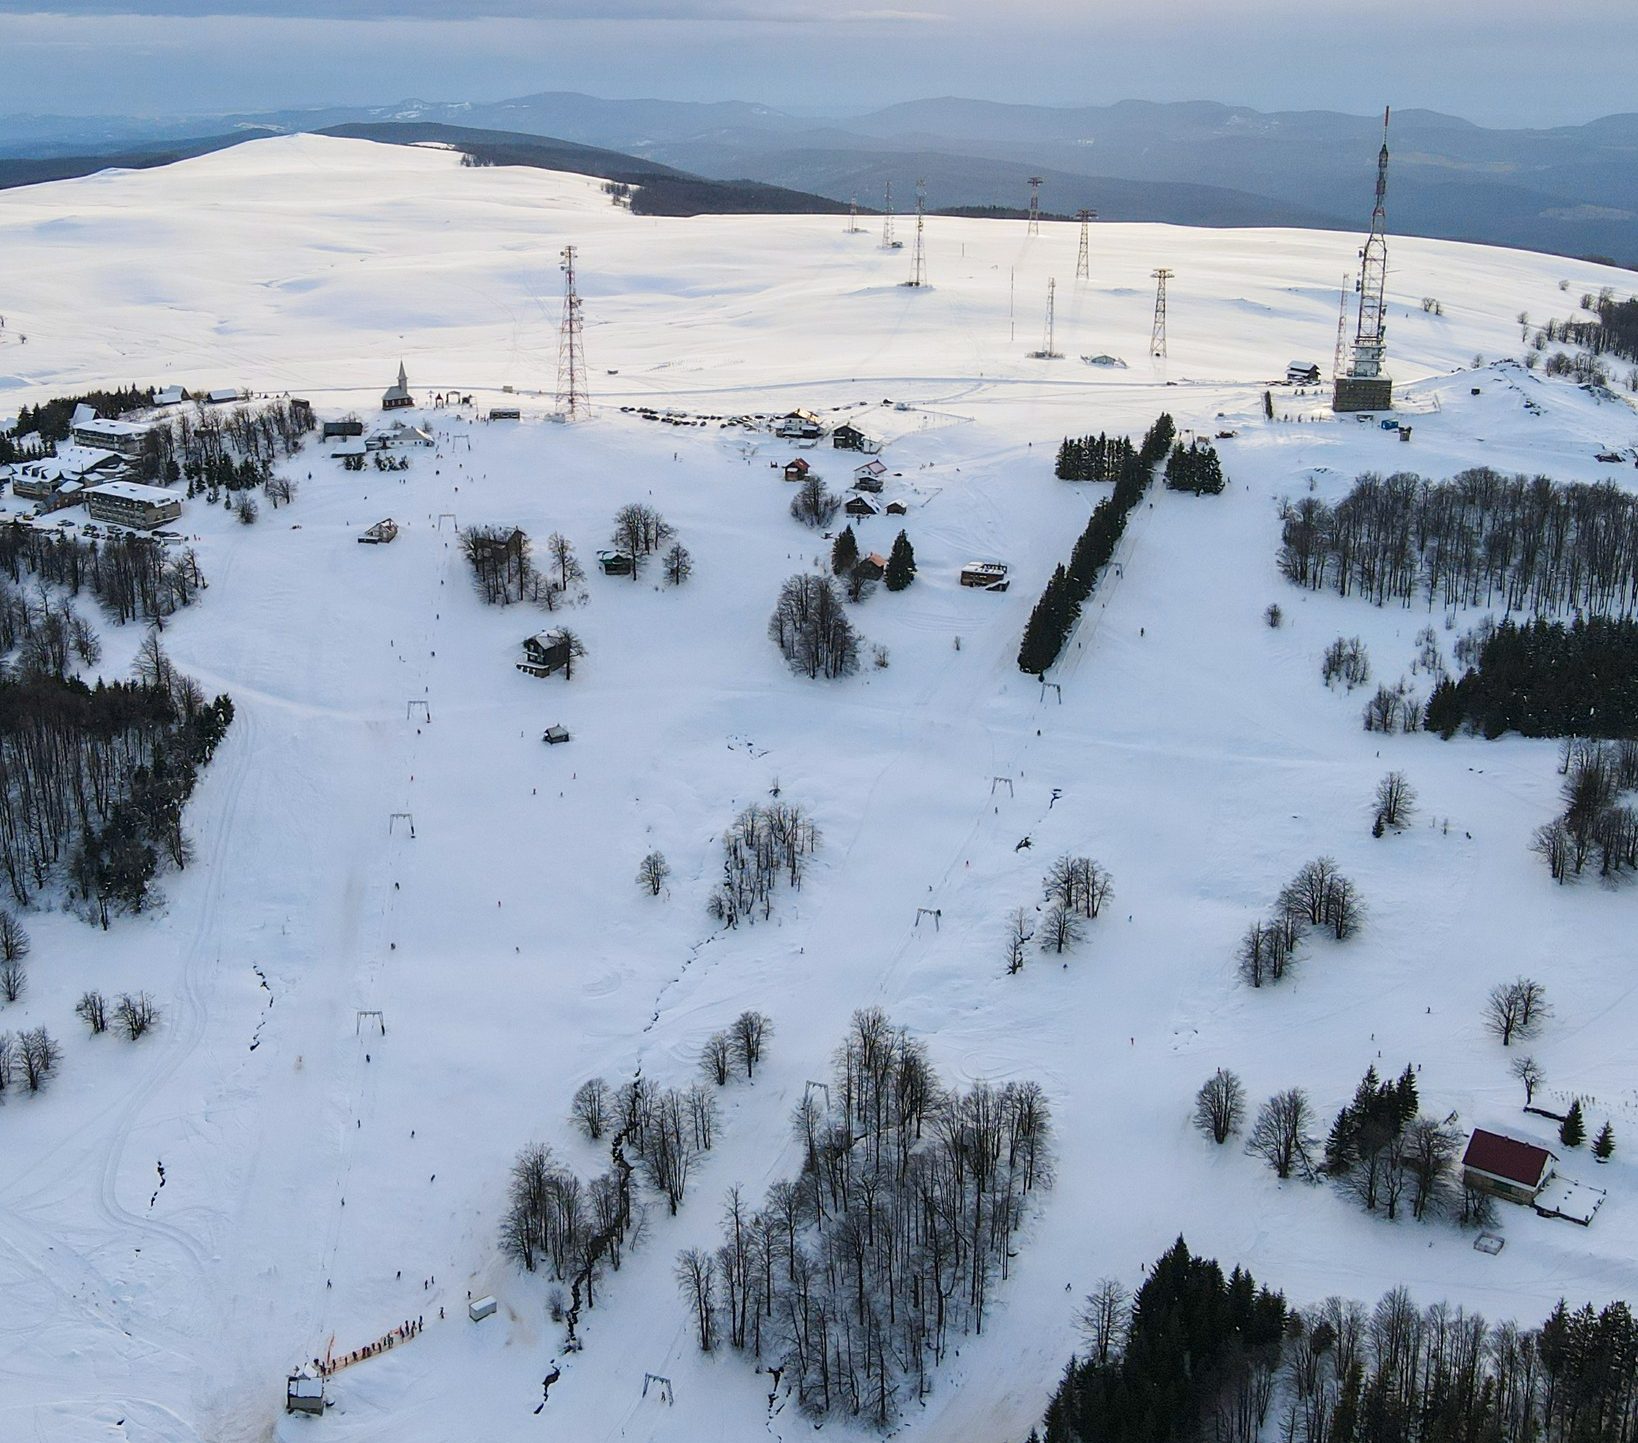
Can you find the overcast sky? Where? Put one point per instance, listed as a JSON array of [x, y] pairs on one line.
[[1468, 57]]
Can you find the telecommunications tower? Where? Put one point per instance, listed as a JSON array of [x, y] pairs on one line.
[[853, 216], [1083, 259], [888, 243], [918, 257], [1034, 205], [572, 400], [1157, 335], [1339, 357], [1363, 387], [1047, 351]]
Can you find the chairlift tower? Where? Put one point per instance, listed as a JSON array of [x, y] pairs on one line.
[[918, 257], [1034, 205], [572, 399], [1364, 387], [888, 243], [1083, 258], [1157, 334]]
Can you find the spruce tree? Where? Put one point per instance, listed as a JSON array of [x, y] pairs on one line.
[[1572, 1131], [1406, 1097], [901, 564], [1604, 1144], [844, 555]]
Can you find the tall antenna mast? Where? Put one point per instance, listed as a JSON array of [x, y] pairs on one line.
[[1048, 351], [853, 216], [1339, 358], [888, 243], [918, 258], [1157, 336], [572, 399], [1034, 205], [1083, 260], [1364, 387]]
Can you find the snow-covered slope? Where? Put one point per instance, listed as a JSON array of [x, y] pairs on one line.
[[512, 956]]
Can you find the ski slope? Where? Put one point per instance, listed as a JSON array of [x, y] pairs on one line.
[[308, 1163]]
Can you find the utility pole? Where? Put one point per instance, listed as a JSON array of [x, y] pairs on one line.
[[572, 399], [1157, 336]]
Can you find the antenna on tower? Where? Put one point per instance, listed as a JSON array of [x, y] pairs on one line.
[[1048, 352], [1339, 357], [853, 216], [888, 243], [1157, 336], [918, 257], [1364, 387], [572, 400], [1034, 205], [1083, 259]]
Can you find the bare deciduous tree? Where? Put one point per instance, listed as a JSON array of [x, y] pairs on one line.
[[1280, 1135], [136, 1013], [589, 1108], [1516, 1009], [811, 628], [1019, 931], [813, 505], [1220, 1105], [748, 1036], [1395, 801], [1105, 1320], [92, 1009], [1060, 929], [1530, 1073], [14, 938], [639, 531], [13, 980], [565, 564], [679, 565], [39, 1054], [696, 1274], [652, 872], [716, 1057]]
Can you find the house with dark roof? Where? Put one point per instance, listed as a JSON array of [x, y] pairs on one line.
[[797, 470], [1505, 1167]]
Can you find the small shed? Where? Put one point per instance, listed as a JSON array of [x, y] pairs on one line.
[[797, 470], [171, 396], [223, 395], [505, 413], [381, 533], [551, 736], [544, 653], [480, 1308], [303, 1393], [872, 566], [1302, 373], [861, 506], [896, 508], [616, 563], [1506, 1167]]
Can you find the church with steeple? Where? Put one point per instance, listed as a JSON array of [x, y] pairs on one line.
[[396, 397]]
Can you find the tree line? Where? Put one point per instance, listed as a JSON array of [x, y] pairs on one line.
[[1596, 826], [133, 577], [1093, 458], [1612, 331], [1545, 679], [1068, 588], [1194, 468], [856, 1277], [1526, 543], [1200, 1355]]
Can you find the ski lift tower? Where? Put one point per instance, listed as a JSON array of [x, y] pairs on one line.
[[1363, 387]]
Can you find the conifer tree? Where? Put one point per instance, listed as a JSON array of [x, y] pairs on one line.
[[1572, 1132], [901, 564], [1604, 1144], [844, 555]]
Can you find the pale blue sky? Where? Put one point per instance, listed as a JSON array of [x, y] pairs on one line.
[[1468, 57]]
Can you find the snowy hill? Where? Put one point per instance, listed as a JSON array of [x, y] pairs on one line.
[[322, 1183]]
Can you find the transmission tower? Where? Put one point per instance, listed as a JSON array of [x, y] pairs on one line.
[[1048, 352], [853, 216], [1364, 387], [572, 399], [918, 257], [1339, 358], [1034, 205], [888, 243], [1157, 336], [1083, 259]]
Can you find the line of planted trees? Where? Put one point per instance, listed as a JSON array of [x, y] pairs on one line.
[[1525, 543], [1198, 1355], [856, 1277], [1069, 586]]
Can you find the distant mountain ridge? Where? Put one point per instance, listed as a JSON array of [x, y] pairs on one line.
[[1568, 189]]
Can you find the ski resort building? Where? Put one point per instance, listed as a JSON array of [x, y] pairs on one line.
[[870, 477], [124, 438], [847, 437], [804, 425], [396, 397], [128, 503], [1506, 1167], [1302, 373], [48, 478], [304, 1393], [341, 429], [861, 506], [171, 396], [986, 575], [544, 653]]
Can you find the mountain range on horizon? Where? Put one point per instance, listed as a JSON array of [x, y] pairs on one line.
[[1571, 190]]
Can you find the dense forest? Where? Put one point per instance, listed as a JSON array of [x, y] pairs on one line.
[[1195, 468], [1198, 1355], [1069, 586], [856, 1277], [1525, 543], [1545, 679]]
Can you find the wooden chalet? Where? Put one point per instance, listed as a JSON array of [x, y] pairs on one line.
[[1505, 1167], [861, 506], [803, 424], [872, 476], [797, 470], [872, 566], [545, 652], [848, 437], [985, 575], [896, 508], [616, 563]]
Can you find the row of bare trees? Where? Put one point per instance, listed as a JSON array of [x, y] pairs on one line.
[[738, 1046], [1525, 543], [133, 577], [30, 1057], [856, 1277], [764, 845]]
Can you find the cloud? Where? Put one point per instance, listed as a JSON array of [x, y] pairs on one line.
[[705, 11]]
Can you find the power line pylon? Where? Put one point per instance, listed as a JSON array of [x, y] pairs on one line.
[[1157, 336], [1034, 205], [918, 257], [853, 216], [572, 399], [1083, 259], [888, 243]]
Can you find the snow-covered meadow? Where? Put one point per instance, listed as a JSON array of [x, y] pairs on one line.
[[308, 1163]]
